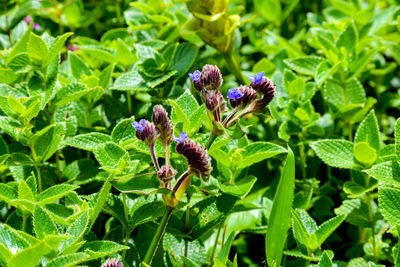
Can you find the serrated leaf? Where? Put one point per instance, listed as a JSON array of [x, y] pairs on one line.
[[7, 193], [29, 257], [348, 38], [131, 81], [326, 229], [76, 230], [56, 47], [97, 202], [55, 192], [123, 131], [325, 260], [278, 222], [37, 49], [45, 142], [389, 204], [335, 153], [142, 184], [397, 138], [257, 152], [100, 249], [240, 188], [89, 141], [25, 192], [78, 66], [68, 260], [12, 240], [387, 172], [305, 65], [70, 93], [109, 154], [303, 226], [42, 223], [365, 154], [174, 245], [368, 132], [183, 59]]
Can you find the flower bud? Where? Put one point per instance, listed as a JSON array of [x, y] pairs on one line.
[[222, 103], [166, 174], [259, 105], [241, 96], [262, 84], [195, 76], [113, 263], [211, 77], [162, 123], [145, 131], [197, 157], [211, 100]]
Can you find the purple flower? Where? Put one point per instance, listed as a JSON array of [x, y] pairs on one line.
[[182, 137], [195, 76], [36, 26], [28, 19], [257, 78], [139, 126], [235, 94]]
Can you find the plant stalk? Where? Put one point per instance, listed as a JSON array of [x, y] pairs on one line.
[[157, 237], [154, 157], [233, 66], [211, 140]]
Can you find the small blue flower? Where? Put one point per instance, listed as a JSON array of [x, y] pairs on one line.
[[234, 94], [257, 78], [195, 76], [182, 137], [139, 126]]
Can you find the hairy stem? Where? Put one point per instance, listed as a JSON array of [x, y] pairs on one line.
[[129, 100], [211, 140], [167, 154], [154, 157], [230, 116], [39, 178], [215, 243], [151, 251]]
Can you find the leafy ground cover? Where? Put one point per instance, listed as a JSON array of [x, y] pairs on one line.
[[199, 133]]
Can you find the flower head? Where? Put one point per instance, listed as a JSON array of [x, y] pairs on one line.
[[241, 96], [28, 19], [139, 126], [234, 94], [145, 131], [197, 157], [113, 263], [166, 173], [265, 86], [211, 77], [162, 123], [257, 78], [182, 137], [195, 76], [36, 26]]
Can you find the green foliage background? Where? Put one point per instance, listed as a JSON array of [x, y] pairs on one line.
[[74, 79]]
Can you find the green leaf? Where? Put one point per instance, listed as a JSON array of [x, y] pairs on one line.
[[183, 59], [326, 229], [278, 222], [68, 260], [78, 66], [123, 131], [305, 65], [12, 240], [25, 192], [55, 192], [109, 154], [325, 260], [13, 127], [20, 46], [89, 141], [240, 188], [42, 223], [7, 193], [335, 153], [387, 172], [397, 138], [224, 252], [98, 201], [131, 81], [339, 95], [46, 141], [142, 184], [348, 38], [29, 257], [365, 154], [389, 204], [303, 226], [175, 245], [70, 93], [56, 47], [76, 230], [37, 49], [269, 9], [368, 132], [257, 152], [100, 249]]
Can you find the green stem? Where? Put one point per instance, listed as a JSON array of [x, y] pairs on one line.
[[350, 132], [211, 140], [125, 209], [151, 251], [303, 160], [39, 178], [127, 234], [167, 154], [187, 230], [233, 66], [24, 218], [215, 244], [372, 222], [129, 100], [58, 166]]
